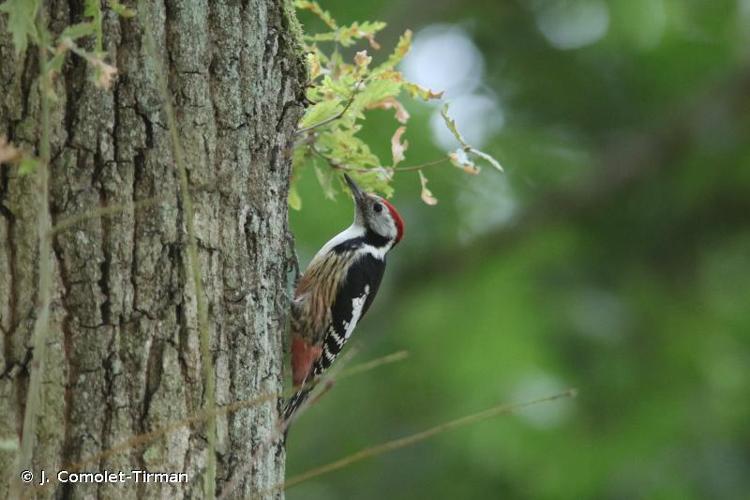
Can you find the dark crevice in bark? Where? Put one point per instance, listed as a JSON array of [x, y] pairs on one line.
[[10, 251], [138, 166], [182, 339], [28, 73], [153, 379], [75, 11], [69, 444], [109, 390], [72, 79], [98, 183], [116, 124], [149, 127]]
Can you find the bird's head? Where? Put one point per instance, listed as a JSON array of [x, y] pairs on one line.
[[376, 214]]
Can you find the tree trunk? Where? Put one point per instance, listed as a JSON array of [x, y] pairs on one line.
[[123, 352]]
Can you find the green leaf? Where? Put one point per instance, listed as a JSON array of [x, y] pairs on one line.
[[316, 9], [344, 148], [402, 48], [28, 165], [376, 179], [93, 9], [294, 200], [21, 19], [375, 92], [320, 112], [347, 36], [76, 31], [55, 64], [343, 87], [417, 91], [299, 158], [325, 178]]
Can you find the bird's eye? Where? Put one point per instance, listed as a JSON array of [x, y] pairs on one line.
[[377, 207]]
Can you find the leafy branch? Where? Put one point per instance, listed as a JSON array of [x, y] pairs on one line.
[[343, 92]]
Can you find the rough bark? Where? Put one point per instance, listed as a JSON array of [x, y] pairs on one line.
[[123, 353]]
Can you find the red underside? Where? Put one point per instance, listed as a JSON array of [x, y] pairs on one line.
[[303, 356]]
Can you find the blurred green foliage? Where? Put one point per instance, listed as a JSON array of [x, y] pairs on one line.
[[612, 256]]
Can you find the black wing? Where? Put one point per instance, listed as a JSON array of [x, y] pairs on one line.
[[352, 302], [361, 284]]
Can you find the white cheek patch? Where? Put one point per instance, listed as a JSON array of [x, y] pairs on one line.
[[358, 303]]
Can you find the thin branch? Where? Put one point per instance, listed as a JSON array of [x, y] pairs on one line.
[[327, 381], [209, 381], [338, 115], [375, 363], [410, 168], [145, 438], [396, 444], [68, 222], [34, 399]]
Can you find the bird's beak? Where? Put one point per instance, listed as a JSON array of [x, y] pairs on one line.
[[356, 192]]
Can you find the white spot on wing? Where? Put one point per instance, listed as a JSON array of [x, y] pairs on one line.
[[358, 303]]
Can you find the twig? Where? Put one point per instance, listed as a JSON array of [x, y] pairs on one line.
[[142, 439], [68, 222], [395, 444], [338, 166], [410, 168], [375, 363], [327, 381], [41, 325]]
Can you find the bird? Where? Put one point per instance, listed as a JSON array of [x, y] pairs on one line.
[[337, 289]]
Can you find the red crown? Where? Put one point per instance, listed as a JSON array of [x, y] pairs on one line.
[[397, 219]]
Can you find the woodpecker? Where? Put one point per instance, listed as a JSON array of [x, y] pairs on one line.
[[337, 289]]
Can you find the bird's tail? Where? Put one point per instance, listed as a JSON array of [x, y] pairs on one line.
[[292, 405]]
